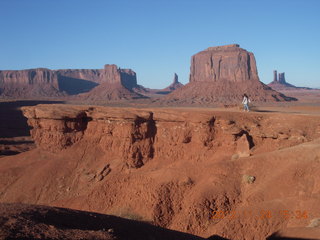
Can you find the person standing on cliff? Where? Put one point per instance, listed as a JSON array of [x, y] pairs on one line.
[[245, 103]]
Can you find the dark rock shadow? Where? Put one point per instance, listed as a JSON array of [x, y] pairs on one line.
[[8, 152], [12, 121], [276, 237], [216, 237], [88, 222], [74, 86]]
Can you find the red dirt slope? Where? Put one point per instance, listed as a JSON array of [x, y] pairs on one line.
[[205, 172], [21, 221]]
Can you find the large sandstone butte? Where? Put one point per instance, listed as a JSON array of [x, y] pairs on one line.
[[203, 172], [224, 63], [222, 75], [42, 83]]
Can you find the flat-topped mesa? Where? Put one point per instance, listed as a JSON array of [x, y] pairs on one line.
[[29, 77], [224, 47], [31, 83], [223, 63], [42, 82]]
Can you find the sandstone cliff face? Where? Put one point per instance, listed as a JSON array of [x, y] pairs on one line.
[[224, 63], [220, 76], [128, 131], [29, 83], [29, 77], [111, 83], [109, 74], [52, 83], [189, 168]]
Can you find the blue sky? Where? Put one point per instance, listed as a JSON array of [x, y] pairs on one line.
[[157, 38]]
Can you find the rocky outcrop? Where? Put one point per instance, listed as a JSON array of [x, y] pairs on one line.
[[114, 84], [280, 84], [174, 85], [221, 75], [223, 63], [40, 82], [140, 135], [178, 162]]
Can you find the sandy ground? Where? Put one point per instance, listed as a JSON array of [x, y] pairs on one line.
[[177, 192]]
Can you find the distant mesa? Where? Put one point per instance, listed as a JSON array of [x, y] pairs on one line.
[[114, 84], [218, 75], [279, 83], [111, 82], [222, 75], [40, 82]]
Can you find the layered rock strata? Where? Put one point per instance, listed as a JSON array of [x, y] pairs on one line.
[[223, 63], [39, 82], [197, 171], [33, 83], [222, 75]]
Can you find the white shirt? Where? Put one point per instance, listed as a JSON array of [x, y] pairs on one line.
[[245, 100]]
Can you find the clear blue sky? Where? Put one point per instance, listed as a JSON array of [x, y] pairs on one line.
[[157, 38]]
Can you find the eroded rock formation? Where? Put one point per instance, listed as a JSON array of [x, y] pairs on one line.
[[280, 84], [35, 83], [188, 170], [222, 75], [223, 63], [39, 82], [174, 85]]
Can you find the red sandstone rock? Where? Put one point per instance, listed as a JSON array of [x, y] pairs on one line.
[[177, 162], [221, 75], [30, 83], [175, 84], [40, 83], [243, 146], [223, 63]]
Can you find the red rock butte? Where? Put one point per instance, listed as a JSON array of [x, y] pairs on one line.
[[223, 63], [221, 75]]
